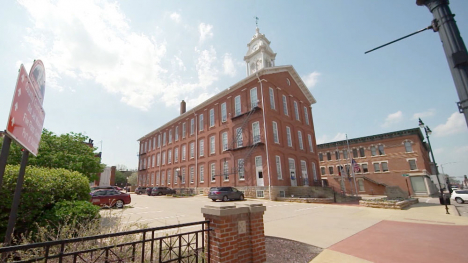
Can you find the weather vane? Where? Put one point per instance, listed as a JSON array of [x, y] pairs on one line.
[[256, 21]]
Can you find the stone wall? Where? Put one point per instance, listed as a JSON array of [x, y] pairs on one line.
[[389, 204]]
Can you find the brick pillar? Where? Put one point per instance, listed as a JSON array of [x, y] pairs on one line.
[[238, 233]]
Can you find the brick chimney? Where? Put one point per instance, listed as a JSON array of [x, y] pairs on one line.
[[182, 107]]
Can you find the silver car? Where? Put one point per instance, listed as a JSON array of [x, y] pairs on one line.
[[225, 194]]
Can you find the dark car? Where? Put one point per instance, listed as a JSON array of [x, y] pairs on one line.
[[140, 190], [110, 197], [162, 191], [225, 194]]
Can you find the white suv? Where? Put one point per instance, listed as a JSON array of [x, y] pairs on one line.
[[460, 196]]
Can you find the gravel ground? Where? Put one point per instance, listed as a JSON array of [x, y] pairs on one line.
[[280, 250]]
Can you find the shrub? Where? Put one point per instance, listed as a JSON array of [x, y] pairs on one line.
[[42, 189]]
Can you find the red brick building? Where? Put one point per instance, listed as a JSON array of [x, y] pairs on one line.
[[257, 135], [382, 159]]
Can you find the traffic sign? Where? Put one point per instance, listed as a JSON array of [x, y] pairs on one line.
[[405, 175], [26, 117]]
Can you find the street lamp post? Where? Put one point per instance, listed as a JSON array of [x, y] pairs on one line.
[[447, 179], [428, 132]]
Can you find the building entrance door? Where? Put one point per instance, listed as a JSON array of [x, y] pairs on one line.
[[292, 172], [259, 171]]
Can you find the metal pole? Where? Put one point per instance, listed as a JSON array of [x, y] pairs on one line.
[[436, 170], [4, 156], [16, 198], [454, 47]]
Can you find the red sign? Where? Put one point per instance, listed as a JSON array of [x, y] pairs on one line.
[[26, 114]]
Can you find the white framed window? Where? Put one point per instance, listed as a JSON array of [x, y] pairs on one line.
[[202, 147], [296, 111], [212, 118], [275, 132], [256, 132], [149, 145], [305, 175], [306, 115], [408, 147], [158, 178], [169, 156], [201, 122], [152, 178], [182, 179], [192, 126], [192, 150], [240, 139], [176, 133], [225, 140], [192, 174], [163, 177], [164, 158], [176, 154], [381, 150], [159, 140], [384, 166], [202, 173], [144, 163], [158, 159], [361, 185], [223, 112], [362, 152], [176, 175], [226, 171], [309, 139], [154, 142], [285, 105], [184, 130], [272, 99], [152, 162], [278, 168], [212, 145], [146, 146], [288, 135], [260, 194], [373, 150], [164, 138], [184, 152], [253, 98], [237, 105], [213, 172], [322, 170], [345, 154], [170, 135], [314, 172], [376, 167], [240, 169], [169, 177], [299, 137]]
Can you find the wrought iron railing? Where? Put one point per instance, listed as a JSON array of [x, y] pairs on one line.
[[159, 244]]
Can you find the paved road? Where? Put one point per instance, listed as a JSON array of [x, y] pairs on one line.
[[336, 228]]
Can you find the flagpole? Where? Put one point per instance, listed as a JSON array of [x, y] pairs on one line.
[[340, 171], [352, 167]]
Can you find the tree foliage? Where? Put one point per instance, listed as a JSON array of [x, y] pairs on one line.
[[69, 151], [42, 189], [133, 179]]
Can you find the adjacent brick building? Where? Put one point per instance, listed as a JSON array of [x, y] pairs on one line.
[[393, 159], [257, 135]]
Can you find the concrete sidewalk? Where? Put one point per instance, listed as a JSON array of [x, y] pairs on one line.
[[421, 233]]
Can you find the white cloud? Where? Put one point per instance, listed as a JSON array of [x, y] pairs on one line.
[[325, 139], [392, 119], [424, 114], [439, 151], [175, 16], [311, 79], [455, 124], [205, 31], [228, 65], [93, 40]]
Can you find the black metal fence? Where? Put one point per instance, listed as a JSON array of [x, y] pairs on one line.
[[160, 244]]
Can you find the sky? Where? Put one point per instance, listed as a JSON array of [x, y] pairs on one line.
[[117, 70]]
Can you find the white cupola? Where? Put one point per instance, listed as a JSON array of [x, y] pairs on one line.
[[259, 54]]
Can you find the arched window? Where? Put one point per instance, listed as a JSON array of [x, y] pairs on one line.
[[408, 147]]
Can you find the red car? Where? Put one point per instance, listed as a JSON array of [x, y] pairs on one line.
[[110, 197]]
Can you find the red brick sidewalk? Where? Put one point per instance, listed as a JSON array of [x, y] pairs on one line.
[[391, 241]]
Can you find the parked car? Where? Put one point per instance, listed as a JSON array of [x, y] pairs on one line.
[[110, 197], [140, 190], [460, 196], [225, 194], [148, 190], [103, 187], [160, 190]]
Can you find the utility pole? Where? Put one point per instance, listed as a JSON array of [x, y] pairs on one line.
[[454, 47]]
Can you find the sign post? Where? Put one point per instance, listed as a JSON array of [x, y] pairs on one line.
[[407, 186], [24, 125]]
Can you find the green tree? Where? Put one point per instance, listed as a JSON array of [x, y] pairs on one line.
[[120, 178], [69, 151], [133, 179]]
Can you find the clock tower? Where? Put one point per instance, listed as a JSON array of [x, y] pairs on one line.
[[259, 54]]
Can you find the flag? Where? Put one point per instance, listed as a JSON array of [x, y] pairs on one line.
[[342, 171], [356, 166]]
